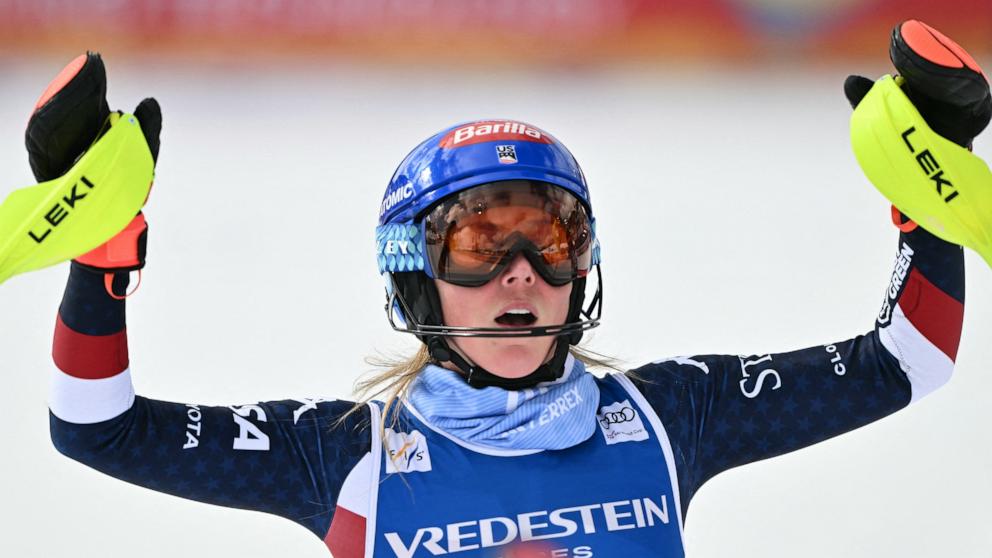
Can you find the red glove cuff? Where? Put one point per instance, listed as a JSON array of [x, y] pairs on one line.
[[902, 222], [124, 252]]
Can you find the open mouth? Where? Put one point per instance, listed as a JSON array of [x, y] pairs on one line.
[[516, 318]]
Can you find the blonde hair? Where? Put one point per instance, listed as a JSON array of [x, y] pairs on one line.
[[394, 376]]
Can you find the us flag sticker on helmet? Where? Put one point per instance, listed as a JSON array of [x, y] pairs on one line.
[[507, 154], [493, 130]]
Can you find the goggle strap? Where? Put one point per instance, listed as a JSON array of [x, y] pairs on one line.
[[399, 247]]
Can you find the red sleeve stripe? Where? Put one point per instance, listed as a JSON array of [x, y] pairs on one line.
[[934, 313], [346, 537], [89, 357]]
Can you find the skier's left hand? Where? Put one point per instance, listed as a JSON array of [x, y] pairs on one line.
[[943, 82], [941, 79]]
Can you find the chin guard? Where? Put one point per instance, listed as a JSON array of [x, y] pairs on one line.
[[414, 306], [940, 185], [66, 217]]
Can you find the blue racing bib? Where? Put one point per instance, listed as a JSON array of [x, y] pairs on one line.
[[613, 495]]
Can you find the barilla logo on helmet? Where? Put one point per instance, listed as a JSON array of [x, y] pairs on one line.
[[494, 150], [493, 130]]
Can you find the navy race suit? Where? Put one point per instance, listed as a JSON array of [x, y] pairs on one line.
[[664, 430]]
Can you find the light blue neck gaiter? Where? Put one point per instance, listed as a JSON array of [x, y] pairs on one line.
[[551, 415]]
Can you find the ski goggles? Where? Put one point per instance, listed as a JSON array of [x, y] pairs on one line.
[[470, 237]]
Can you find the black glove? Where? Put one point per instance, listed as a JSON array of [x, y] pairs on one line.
[[941, 80], [70, 115]]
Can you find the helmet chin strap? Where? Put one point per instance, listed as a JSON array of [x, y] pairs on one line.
[[424, 302], [478, 377]]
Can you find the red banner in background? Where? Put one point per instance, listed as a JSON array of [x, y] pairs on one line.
[[504, 32]]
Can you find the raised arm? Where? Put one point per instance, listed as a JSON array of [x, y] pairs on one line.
[[722, 411], [290, 458], [727, 410]]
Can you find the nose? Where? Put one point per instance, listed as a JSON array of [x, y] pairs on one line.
[[518, 273]]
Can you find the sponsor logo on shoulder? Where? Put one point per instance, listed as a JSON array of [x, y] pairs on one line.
[[903, 262], [408, 452], [620, 422]]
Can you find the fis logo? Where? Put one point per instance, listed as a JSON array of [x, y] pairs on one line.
[[407, 452], [619, 422], [903, 261], [492, 130]]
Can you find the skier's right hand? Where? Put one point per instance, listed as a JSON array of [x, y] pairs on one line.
[[70, 115]]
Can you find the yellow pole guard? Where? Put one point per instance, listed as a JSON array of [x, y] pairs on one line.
[[61, 219], [942, 186]]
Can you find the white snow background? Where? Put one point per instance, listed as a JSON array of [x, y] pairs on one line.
[[733, 219]]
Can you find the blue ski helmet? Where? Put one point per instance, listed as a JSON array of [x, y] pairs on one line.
[[456, 159], [459, 158]]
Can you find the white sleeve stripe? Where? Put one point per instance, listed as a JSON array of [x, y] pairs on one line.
[[82, 401], [375, 461], [927, 366], [354, 495]]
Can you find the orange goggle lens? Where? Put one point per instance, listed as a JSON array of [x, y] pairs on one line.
[[472, 236]]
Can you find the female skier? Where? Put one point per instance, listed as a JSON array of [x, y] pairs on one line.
[[486, 239]]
